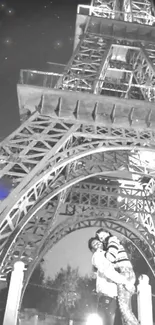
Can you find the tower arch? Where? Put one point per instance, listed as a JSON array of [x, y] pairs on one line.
[[83, 221]]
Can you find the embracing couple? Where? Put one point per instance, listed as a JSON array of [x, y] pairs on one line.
[[115, 278]]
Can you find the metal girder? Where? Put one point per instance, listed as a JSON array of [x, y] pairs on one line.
[[110, 67], [35, 153], [19, 244], [125, 197], [57, 155], [111, 197], [144, 72], [93, 218], [27, 198], [103, 69], [90, 58], [85, 64], [141, 12], [98, 219], [25, 152], [105, 9], [28, 153]]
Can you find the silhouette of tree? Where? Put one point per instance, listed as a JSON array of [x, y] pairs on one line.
[[74, 295], [67, 294], [35, 292]]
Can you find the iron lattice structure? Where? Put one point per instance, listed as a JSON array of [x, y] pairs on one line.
[[85, 148]]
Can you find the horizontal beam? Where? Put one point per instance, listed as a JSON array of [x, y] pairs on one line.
[[95, 109]]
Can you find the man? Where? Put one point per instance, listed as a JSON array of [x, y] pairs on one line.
[[115, 253], [106, 280]]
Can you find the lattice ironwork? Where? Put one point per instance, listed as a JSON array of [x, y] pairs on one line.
[[33, 228], [111, 67], [112, 197], [104, 65], [141, 12], [34, 156], [50, 159], [80, 151], [94, 218]]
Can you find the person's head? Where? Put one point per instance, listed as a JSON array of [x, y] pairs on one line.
[[94, 244], [102, 234]]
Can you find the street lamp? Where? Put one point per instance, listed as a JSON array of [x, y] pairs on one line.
[[94, 319]]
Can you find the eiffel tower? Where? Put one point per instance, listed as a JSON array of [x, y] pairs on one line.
[[85, 150]]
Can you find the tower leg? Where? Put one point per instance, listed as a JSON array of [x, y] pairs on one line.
[[14, 294], [145, 313]]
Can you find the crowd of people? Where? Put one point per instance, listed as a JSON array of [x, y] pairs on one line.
[[115, 278]]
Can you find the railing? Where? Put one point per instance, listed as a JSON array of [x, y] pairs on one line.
[[39, 78], [141, 17], [108, 86]]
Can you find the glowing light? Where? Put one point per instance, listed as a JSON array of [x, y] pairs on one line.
[[119, 199], [94, 319], [147, 157], [58, 44], [2, 6], [8, 41], [71, 39], [10, 12]]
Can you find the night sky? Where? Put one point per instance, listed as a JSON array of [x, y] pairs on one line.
[[32, 33]]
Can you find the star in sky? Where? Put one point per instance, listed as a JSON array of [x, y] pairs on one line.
[[10, 11], [2, 6], [31, 36], [58, 44], [8, 41]]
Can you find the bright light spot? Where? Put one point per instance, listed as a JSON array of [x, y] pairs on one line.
[[2, 6], [119, 199], [94, 319], [8, 41], [58, 44], [6, 58], [10, 12], [71, 39], [147, 157]]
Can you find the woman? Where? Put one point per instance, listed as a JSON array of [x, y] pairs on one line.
[[116, 254], [107, 279]]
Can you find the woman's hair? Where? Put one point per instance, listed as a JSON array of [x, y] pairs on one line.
[[102, 230], [99, 230], [105, 243], [90, 242]]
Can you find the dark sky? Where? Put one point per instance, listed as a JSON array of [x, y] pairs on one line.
[[32, 33]]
